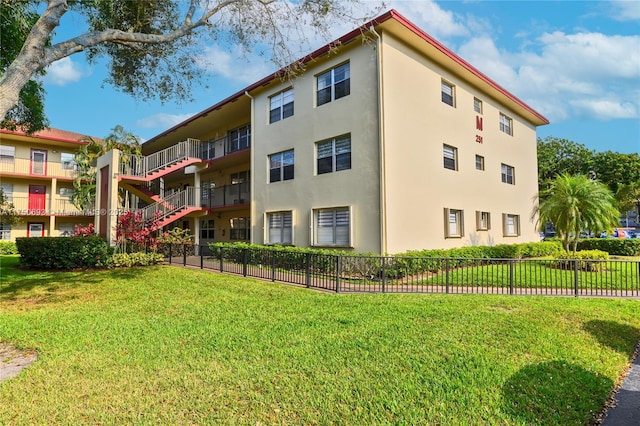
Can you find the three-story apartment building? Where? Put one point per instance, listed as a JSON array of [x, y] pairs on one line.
[[36, 175], [384, 141]]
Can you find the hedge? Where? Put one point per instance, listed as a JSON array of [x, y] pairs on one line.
[[8, 247], [63, 252], [613, 246]]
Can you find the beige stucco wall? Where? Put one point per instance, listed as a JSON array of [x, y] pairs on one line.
[[357, 188], [418, 187]]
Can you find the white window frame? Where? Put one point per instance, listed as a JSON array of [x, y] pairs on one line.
[[281, 161], [5, 231], [506, 124], [508, 174], [7, 189], [69, 163], [279, 227], [453, 223], [477, 105], [7, 153], [339, 236], [483, 221], [338, 151], [279, 105], [236, 230], [330, 80], [450, 153], [510, 225], [448, 93], [207, 229]]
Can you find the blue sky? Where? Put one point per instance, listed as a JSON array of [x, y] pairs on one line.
[[575, 62]]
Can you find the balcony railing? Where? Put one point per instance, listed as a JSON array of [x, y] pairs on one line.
[[62, 206], [49, 169], [226, 195], [143, 166], [217, 148], [170, 205]]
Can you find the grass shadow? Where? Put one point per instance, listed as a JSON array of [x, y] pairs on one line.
[[622, 338], [555, 393]]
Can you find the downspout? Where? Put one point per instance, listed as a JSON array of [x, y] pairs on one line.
[[381, 145], [252, 169]]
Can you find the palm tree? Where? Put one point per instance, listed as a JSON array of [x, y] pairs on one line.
[[575, 204], [87, 156]]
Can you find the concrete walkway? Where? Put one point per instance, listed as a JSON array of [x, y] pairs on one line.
[[626, 411]]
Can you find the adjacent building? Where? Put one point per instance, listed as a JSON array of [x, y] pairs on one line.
[[36, 175], [384, 141]]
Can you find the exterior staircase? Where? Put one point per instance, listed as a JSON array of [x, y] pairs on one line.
[[161, 163], [172, 208]]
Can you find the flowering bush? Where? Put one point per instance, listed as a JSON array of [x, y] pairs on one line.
[[84, 231], [133, 233]]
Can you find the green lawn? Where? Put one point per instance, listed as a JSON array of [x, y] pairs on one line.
[[166, 345]]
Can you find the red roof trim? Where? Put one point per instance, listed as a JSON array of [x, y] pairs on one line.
[[52, 134], [391, 14]]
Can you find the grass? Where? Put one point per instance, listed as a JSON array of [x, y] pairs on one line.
[[166, 345]]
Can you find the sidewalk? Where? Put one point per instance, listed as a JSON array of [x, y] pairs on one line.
[[626, 411]]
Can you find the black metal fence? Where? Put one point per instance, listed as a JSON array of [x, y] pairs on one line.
[[401, 274]]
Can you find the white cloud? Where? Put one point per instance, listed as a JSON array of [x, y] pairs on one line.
[[162, 120], [625, 10], [62, 72], [234, 64], [430, 17]]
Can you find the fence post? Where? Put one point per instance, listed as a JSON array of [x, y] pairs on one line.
[[337, 274], [511, 265], [184, 255], [201, 257], [244, 262], [170, 252], [308, 269], [446, 274], [221, 259], [273, 266], [575, 277], [384, 273]]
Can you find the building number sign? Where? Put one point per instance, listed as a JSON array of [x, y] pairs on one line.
[[478, 127]]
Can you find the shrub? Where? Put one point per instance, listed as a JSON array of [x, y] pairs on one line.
[[63, 252], [587, 260], [8, 247], [613, 246], [125, 260]]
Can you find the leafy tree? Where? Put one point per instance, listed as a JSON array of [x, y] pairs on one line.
[[151, 45], [86, 157], [575, 204], [8, 213], [558, 156], [615, 169], [628, 197]]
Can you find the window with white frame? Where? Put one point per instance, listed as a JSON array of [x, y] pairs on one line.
[[508, 174], [448, 93], [477, 105], [207, 229], [483, 221], [332, 227], [506, 124], [239, 139], [479, 162], [5, 231], [281, 105], [454, 223], [240, 228], [333, 84], [280, 228], [68, 161], [281, 166], [7, 190], [511, 225], [66, 229], [334, 155], [450, 156], [65, 192], [7, 153]]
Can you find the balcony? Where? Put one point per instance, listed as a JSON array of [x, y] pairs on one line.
[[37, 169], [61, 206], [226, 196]]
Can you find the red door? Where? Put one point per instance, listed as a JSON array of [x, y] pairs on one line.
[[37, 194]]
